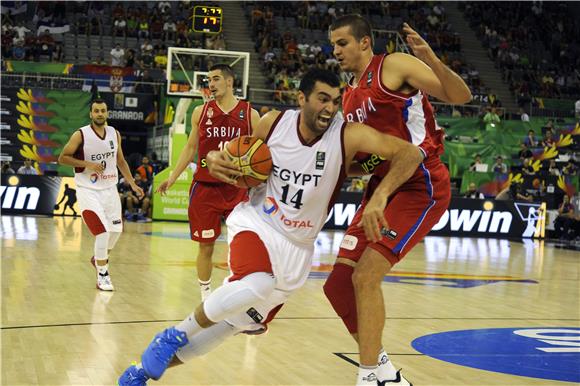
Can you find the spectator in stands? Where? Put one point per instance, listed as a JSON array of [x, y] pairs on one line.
[[144, 83], [6, 168], [519, 194], [528, 168], [566, 218], [524, 116], [577, 109], [58, 53], [143, 28], [118, 56], [145, 171], [356, 185], [27, 168], [472, 192], [569, 169], [499, 166], [524, 152], [138, 208], [120, 26], [169, 28], [491, 117], [548, 140], [553, 168], [130, 58], [530, 140], [161, 59], [477, 165], [46, 43]]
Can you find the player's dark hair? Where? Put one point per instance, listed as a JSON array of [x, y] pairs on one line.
[[359, 26], [98, 101], [225, 69], [317, 75]]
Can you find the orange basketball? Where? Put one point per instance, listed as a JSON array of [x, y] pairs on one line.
[[253, 157]]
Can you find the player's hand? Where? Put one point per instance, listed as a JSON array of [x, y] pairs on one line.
[[162, 189], [373, 218], [222, 167], [95, 167], [418, 45], [137, 189]]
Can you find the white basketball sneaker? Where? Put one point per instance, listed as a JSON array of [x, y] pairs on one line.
[[103, 280], [399, 380]]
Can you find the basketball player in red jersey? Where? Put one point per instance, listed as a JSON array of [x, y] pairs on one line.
[[213, 124], [388, 93]]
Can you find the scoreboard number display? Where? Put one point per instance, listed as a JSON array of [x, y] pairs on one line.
[[207, 19]]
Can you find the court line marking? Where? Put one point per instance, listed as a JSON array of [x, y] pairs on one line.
[[282, 318]]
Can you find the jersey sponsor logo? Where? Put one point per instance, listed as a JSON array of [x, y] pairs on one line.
[[270, 206], [222, 131], [208, 122], [320, 156], [207, 233], [295, 177], [116, 222], [540, 352], [361, 113], [94, 178], [370, 163], [196, 234], [349, 242], [15, 197]]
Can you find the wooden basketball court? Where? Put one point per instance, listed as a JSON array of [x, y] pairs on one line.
[[57, 329]]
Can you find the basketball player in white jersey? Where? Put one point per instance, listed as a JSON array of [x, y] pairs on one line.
[[95, 153], [210, 200], [272, 235]]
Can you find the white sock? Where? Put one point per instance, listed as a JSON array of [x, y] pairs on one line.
[[205, 288], [102, 269], [385, 370], [189, 325], [367, 376]]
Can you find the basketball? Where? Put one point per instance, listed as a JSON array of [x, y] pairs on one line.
[[253, 157]]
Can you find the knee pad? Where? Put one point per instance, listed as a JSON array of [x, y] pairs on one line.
[[101, 244], [113, 238], [339, 290], [237, 296]]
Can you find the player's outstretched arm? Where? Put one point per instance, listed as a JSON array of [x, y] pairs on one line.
[[66, 156], [125, 170], [424, 71], [187, 153], [404, 159]]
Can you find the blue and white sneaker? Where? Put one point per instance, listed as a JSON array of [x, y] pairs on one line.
[[161, 351], [133, 377]]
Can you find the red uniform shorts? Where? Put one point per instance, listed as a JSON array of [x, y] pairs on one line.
[[208, 204], [411, 213]]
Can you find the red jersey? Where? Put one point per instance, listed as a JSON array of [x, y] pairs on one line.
[[407, 116], [216, 129]]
